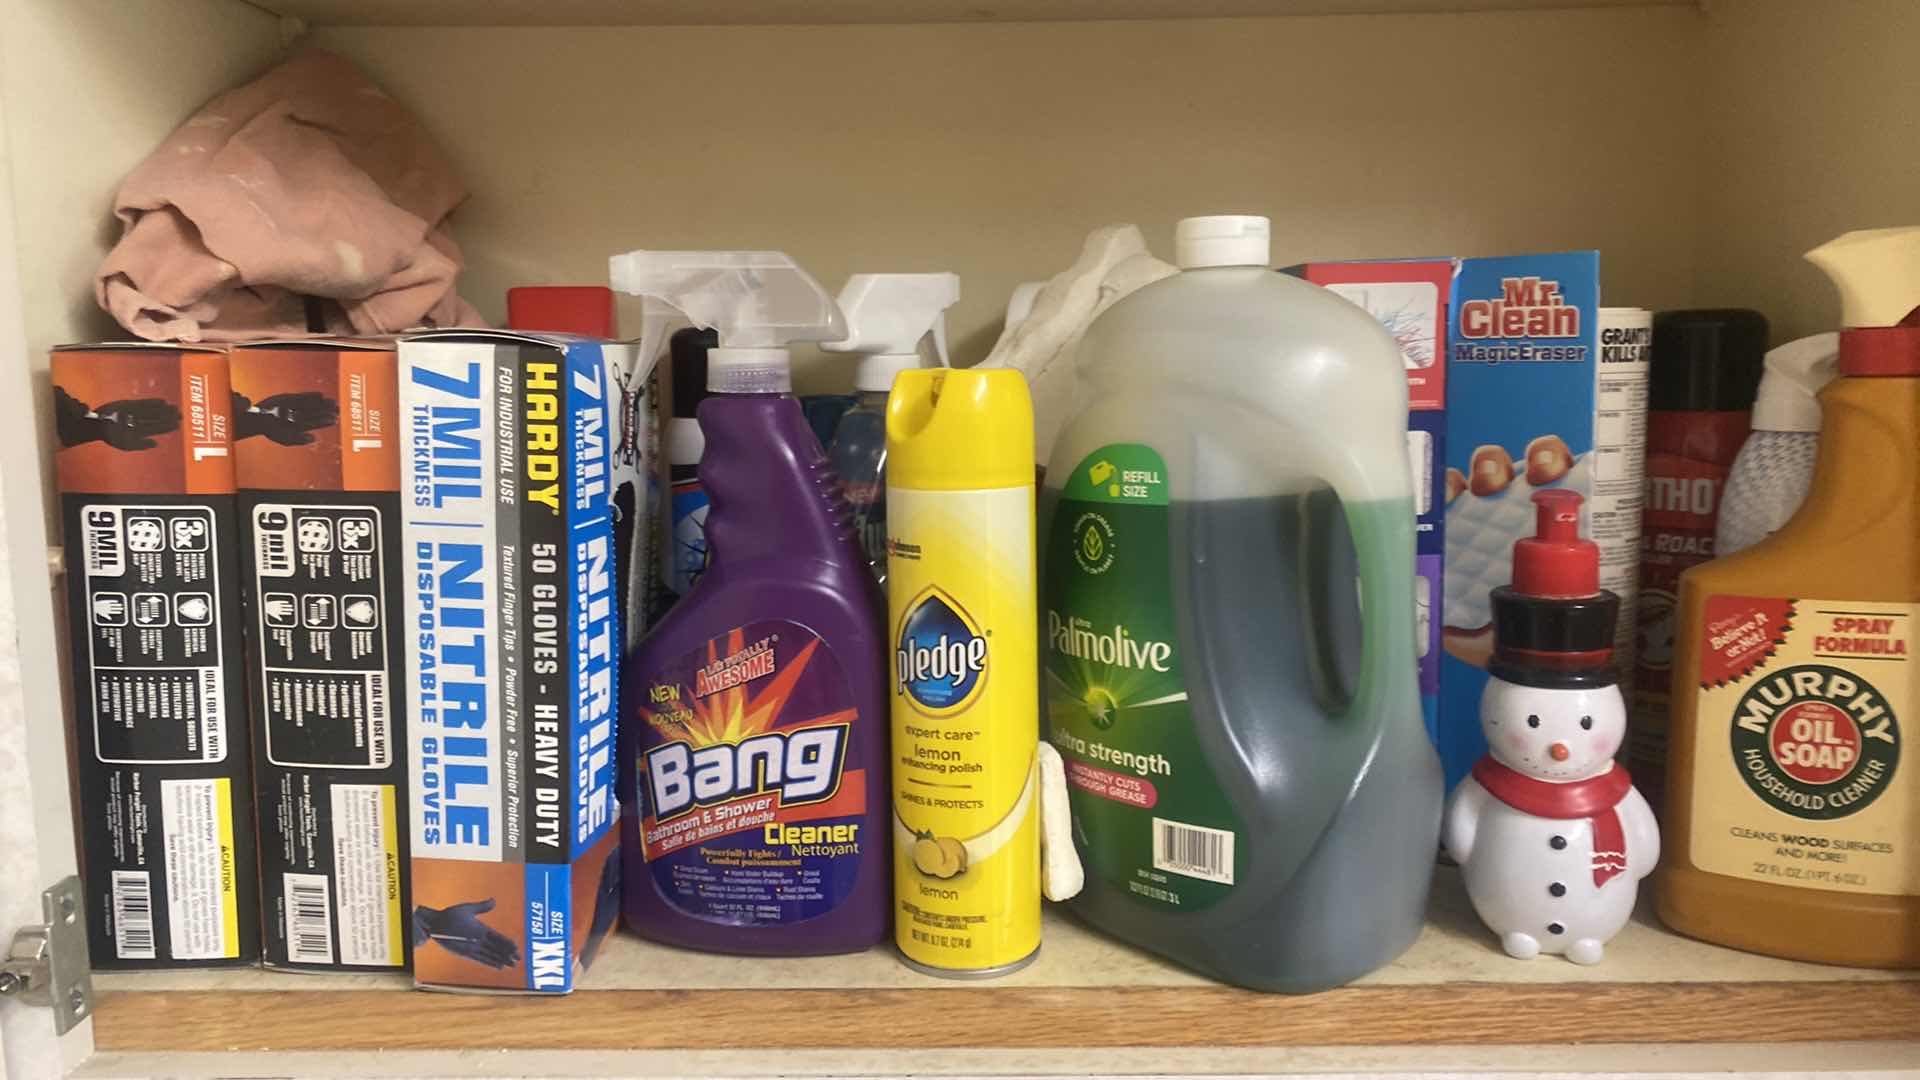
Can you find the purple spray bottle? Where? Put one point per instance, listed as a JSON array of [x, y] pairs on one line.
[[753, 721]]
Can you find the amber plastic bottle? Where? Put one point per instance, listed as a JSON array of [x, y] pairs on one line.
[[1793, 816]]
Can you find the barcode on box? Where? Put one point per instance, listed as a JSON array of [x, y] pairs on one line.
[[1193, 851], [309, 904], [132, 915]]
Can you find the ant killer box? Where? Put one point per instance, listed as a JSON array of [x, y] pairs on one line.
[[316, 449], [145, 471]]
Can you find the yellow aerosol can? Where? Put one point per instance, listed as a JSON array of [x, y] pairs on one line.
[[962, 621]]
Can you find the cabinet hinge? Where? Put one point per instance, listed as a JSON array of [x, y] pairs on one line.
[[48, 964]]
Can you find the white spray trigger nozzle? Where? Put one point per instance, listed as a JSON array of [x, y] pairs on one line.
[[757, 302], [658, 321], [888, 316]]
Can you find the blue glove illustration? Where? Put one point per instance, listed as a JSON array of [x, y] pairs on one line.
[[458, 930]]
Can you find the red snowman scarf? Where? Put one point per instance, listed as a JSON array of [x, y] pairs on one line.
[[1593, 799]]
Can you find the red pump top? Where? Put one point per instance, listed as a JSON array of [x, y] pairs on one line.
[[1556, 563], [1554, 625]]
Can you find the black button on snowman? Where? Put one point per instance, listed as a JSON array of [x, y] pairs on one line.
[[1551, 837]]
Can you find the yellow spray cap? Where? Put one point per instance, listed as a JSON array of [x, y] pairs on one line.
[[961, 429]]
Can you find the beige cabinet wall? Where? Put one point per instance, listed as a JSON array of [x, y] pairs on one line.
[[90, 86], [990, 150], [1811, 127], [1764, 127]]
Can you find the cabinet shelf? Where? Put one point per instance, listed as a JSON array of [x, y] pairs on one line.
[[985, 140], [1452, 989], [828, 12]]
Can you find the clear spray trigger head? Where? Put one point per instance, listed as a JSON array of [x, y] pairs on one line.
[[752, 299], [658, 321]]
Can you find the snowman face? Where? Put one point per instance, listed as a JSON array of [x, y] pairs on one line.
[[1553, 734]]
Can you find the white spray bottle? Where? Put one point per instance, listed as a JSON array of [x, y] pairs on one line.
[[890, 320], [1774, 469]]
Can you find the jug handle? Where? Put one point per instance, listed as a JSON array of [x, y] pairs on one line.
[[1353, 727], [1375, 555], [1316, 537]]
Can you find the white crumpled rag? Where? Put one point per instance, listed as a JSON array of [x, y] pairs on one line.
[[307, 182], [1113, 262], [1042, 345]]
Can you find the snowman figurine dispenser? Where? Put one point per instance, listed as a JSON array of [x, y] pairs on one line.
[[1551, 837]]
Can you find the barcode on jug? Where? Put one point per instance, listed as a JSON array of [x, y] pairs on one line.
[[1193, 851], [309, 905], [132, 915]]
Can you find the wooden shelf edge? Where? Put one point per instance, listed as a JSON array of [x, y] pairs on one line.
[[1483, 1014], [602, 13]]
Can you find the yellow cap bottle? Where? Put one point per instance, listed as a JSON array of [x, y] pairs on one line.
[[1793, 822], [963, 624]]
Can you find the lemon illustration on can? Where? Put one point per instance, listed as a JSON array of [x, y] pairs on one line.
[[941, 857]]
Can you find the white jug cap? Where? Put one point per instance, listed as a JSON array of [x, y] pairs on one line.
[[1222, 240]]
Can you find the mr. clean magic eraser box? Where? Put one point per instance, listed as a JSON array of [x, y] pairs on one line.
[[1545, 388], [512, 650], [1411, 297]]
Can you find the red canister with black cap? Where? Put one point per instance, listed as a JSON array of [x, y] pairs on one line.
[[1706, 370]]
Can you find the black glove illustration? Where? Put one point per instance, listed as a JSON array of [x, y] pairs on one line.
[[458, 930], [606, 908], [288, 419], [129, 424]]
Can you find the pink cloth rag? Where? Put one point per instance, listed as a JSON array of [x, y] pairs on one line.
[[309, 182]]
